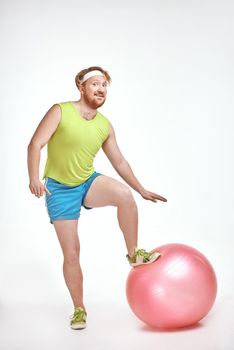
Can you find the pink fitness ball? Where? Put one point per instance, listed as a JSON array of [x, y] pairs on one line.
[[175, 291]]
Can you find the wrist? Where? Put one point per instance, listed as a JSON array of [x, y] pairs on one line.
[[34, 179], [141, 190]]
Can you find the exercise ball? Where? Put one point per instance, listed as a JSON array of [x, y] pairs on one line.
[[177, 290]]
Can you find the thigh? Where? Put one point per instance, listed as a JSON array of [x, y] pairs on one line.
[[68, 236], [104, 191]]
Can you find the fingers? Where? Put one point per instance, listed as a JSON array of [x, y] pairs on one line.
[[155, 197], [152, 198], [160, 198], [38, 191]]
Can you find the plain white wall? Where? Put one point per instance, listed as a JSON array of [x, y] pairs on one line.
[[171, 103]]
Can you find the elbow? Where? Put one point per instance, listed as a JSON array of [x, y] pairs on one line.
[[121, 163], [33, 144]]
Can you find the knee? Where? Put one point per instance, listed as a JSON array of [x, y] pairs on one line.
[[72, 257], [126, 197]]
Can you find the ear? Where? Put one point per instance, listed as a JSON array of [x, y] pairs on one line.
[[81, 88]]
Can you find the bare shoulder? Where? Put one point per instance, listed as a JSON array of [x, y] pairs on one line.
[[110, 138], [53, 116], [54, 110], [111, 130], [47, 125]]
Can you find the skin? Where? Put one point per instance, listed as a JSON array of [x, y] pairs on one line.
[[103, 191]]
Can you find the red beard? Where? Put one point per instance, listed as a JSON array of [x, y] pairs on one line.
[[93, 102]]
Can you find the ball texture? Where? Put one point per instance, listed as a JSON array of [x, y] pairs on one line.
[[175, 291]]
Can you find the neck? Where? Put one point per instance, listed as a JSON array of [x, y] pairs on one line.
[[84, 107], [85, 110]]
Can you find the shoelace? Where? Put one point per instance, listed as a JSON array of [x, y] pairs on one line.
[[139, 252], [142, 252], [78, 315]]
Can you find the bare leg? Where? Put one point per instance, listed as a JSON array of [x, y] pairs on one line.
[[104, 191], [127, 214], [68, 238]]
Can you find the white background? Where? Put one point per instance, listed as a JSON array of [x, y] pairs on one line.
[[171, 104]]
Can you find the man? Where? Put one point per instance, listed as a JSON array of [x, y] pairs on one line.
[[75, 131]]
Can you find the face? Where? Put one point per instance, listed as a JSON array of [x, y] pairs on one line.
[[94, 91]]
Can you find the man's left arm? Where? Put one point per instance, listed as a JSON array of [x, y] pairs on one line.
[[122, 167]]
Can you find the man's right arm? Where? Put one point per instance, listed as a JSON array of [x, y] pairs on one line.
[[40, 138]]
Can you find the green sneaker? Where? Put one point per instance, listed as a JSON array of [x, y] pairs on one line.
[[78, 319], [142, 257]]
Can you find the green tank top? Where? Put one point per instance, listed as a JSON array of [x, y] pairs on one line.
[[73, 146]]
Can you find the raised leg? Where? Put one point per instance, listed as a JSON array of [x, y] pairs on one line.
[[104, 191]]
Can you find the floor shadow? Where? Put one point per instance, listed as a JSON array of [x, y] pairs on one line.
[[147, 328]]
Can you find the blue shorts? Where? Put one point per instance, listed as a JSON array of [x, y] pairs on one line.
[[65, 201]]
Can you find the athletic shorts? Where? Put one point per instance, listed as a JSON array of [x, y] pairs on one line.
[[65, 201]]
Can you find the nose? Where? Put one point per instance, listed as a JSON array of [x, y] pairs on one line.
[[101, 88]]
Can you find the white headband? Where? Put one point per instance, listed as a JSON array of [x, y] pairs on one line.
[[91, 74]]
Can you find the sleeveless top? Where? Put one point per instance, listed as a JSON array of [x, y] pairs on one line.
[[73, 146]]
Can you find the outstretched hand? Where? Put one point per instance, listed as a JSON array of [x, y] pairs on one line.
[[152, 196]]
